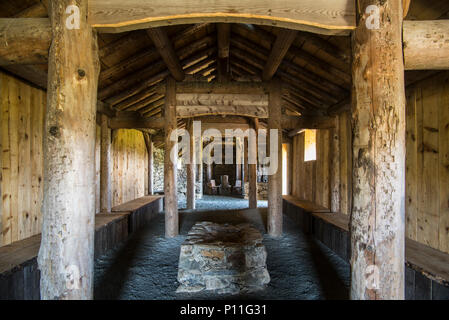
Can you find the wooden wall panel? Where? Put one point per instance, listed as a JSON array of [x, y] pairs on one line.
[[22, 122], [427, 162], [129, 157], [311, 180]]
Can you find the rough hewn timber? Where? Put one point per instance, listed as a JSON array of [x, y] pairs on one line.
[[275, 180], [190, 201], [170, 165], [149, 142], [378, 116], [167, 52], [280, 47], [24, 40], [105, 166], [426, 45], [66, 255], [252, 168]]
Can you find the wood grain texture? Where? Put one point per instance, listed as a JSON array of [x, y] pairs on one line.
[[22, 121], [427, 162], [67, 249], [378, 117], [321, 16], [426, 45]]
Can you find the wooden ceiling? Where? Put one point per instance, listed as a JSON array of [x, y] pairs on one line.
[[314, 69]]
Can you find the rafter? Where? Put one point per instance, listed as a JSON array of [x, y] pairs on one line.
[[280, 47], [167, 52]]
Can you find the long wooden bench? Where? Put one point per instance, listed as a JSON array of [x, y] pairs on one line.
[[19, 276], [426, 270]]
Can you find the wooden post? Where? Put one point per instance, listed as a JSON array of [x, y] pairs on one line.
[[170, 165], [335, 168], [66, 255], [275, 180], [378, 116], [199, 194], [150, 149], [191, 170], [252, 168], [105, 166]]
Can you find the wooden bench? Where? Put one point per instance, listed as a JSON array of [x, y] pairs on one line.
[[19, 275], [426, 270]]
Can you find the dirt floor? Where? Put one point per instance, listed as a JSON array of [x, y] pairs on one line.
[[146, 266]]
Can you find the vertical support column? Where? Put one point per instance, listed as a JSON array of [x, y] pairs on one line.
[[252, 153], [191, 170], [275, 179], [66, 255], [170, 162], [105, 166], [335, 167], [150, 151], [150, 166], [199, 194], [378, 116]]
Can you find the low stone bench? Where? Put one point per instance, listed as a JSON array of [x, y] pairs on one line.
[[19, 275], [222, 258]]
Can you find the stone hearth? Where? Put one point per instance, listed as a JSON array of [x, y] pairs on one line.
[[222, 258]]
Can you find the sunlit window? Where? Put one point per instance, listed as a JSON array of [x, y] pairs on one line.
[[309, 145]]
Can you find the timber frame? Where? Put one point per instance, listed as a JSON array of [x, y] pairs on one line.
[[275, 68]]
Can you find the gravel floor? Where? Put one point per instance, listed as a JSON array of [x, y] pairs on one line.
[[145, 267]]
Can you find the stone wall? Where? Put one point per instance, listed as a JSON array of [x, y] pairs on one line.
[[158, 170], [262, 190]]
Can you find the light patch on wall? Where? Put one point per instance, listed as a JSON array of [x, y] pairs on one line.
[[309, 145]]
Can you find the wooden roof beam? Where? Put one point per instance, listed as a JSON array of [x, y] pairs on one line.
[[24, 40], [283, 42], [223, 36], [167, 52]]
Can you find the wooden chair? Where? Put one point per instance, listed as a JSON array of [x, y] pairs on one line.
[[225, 188], [212, 188], [237, 189]]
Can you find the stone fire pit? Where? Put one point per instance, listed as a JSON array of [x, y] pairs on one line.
[[223, 258]]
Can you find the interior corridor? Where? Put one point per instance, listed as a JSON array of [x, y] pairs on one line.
[[146, 266]]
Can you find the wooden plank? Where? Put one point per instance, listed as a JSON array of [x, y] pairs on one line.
[[434, 263], [443, 172], [429, 209], [411, 203], [307, 205], [318, 16]]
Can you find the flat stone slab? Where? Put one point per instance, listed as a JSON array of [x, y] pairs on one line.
[[223, 258]]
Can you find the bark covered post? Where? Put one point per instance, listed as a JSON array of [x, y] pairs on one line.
[[150, 166], [275, 179], [378, 116], [66, 255], [191, 170], [199, 194], [252, 168], [105, 166], [170, 162]]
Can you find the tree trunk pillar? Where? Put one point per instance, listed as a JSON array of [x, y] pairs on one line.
[[191, 188], [170, 162], [252, 168], [150, 166], [199, 194], [66, 255], [275, 179], [105, 166], [378, 116]]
